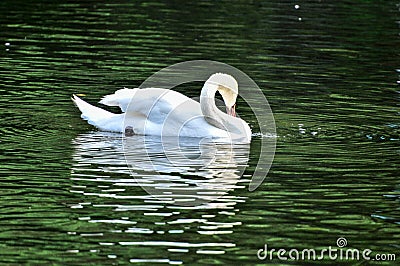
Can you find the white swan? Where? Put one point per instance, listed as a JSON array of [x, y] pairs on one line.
[[163, 112]]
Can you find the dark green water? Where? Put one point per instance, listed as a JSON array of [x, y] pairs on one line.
[[331, 78]]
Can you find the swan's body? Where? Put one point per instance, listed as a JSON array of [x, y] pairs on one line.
[[162, 112]]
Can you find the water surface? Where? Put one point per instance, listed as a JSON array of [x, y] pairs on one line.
[[330, 72]]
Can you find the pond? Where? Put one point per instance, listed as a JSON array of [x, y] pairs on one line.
[[329, 69]]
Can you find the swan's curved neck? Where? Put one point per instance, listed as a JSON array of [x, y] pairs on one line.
[[213, 115], [207, 103]]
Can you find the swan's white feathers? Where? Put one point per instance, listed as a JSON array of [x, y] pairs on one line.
[[156, 111], [120, 98], [98, 117]]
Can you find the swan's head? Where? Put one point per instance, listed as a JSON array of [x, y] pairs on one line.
[[228, 88]]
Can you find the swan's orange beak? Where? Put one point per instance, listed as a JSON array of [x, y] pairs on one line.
[[231, 110]]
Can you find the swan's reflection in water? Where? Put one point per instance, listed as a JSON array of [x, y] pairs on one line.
[[119, 213], [185, 171]]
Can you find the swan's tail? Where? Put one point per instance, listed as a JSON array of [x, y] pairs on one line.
[[98, 117]]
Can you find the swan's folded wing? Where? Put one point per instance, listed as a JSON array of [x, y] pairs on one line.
[[155, 103], [156, 106], [121, 98], [144, 100]]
